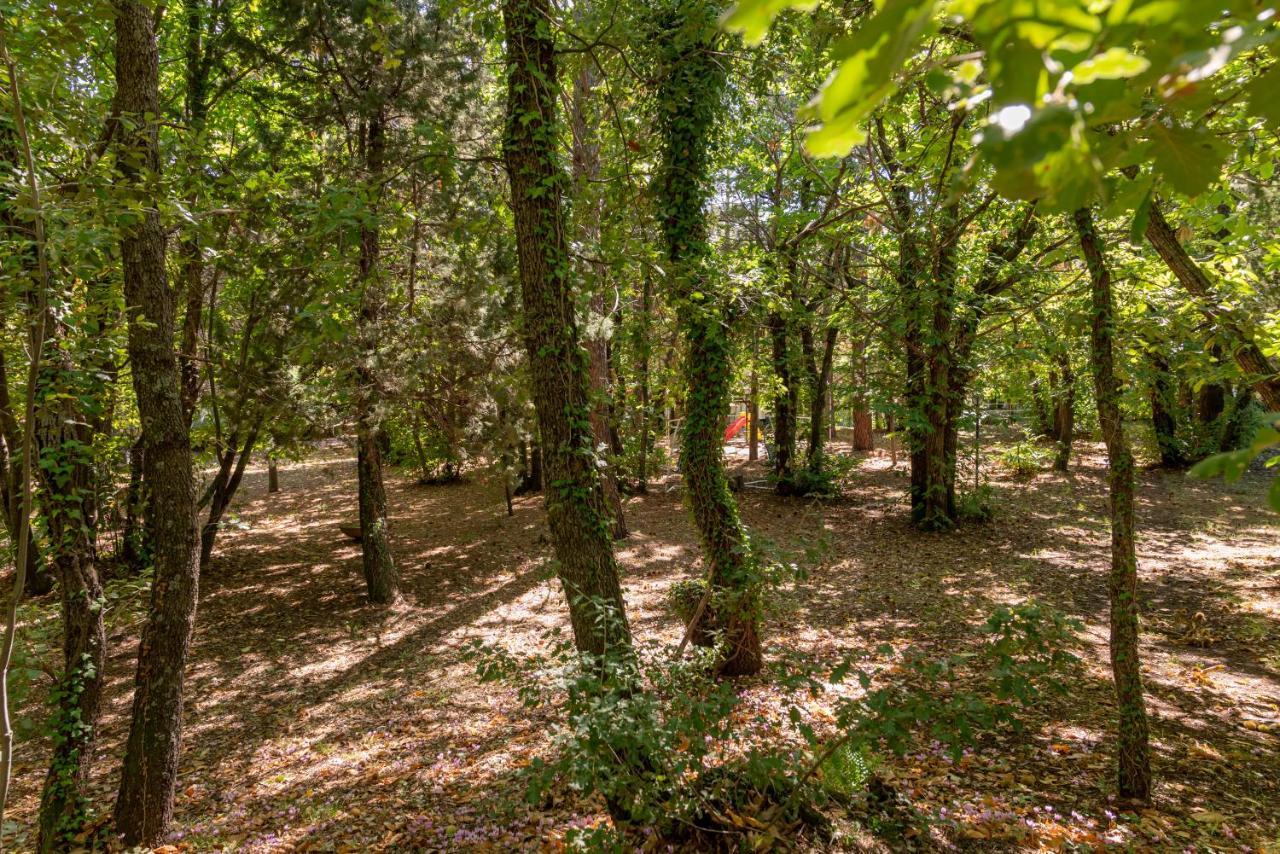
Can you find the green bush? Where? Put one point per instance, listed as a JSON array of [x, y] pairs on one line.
[[1025, 459]]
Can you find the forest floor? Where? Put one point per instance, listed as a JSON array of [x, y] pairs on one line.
[[318, 723]]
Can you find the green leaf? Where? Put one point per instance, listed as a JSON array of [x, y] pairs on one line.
[[1262, 97], [1273, 495], [1112, 64], [1189, 158], [868, 62], [753, 17]]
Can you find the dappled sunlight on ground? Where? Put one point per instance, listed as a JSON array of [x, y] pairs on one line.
[[316, 721]]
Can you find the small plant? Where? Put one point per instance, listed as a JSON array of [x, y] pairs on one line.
[[976, 506], [1024, 459]]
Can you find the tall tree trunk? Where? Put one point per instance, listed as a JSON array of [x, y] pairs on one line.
[[273, 476], [382, 581], [190, 251], [690, 90], [1257, 368], [586, 171], [1122, 584], [150, 772], [558, 366]]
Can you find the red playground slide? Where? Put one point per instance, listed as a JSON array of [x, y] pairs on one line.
[[736, 427]]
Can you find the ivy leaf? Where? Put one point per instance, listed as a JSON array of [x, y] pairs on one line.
[[1112, 64], [1190, 158]]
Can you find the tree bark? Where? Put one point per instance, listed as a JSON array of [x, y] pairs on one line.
[[1257, 368], [690, 89], [273, 477], [1134, 775], [1064, 411], [558, 366], [145, 802], [784, 401], [586, 170], [382, 581]]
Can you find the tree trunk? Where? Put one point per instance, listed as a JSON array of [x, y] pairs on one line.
[[382, 581], [69, 500], [1163, 418], [690, 89], [1122, 585], [1064, 411], [558, 366], [784, 402], [150, 772], [133, 541], [223, 490], [819, 388], [586, 171], [753, 416], [273, 477], [1257, 368]]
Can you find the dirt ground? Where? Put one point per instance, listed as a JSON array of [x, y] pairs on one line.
[[316, 722]]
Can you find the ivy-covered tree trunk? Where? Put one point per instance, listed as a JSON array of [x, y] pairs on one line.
[[65, 442], [691, 87], [382, 581], [145, 802], [1122, 582], [558, 366]]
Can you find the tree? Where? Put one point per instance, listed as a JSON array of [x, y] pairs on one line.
[[149, 776], [558, 366], [689, 93], [1122, 581]]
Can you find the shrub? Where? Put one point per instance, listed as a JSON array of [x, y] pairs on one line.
[[1024, 459]]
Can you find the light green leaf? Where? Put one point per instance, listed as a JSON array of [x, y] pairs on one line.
[[753, 17], [1112, 64]]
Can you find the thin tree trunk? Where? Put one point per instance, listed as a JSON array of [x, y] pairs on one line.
[[382, 581], [1134, 776], [226, 485], [1064, 412], [558, 366], [753, 428], [586, 170], [145, 802], [273, 477], [646, 405]]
